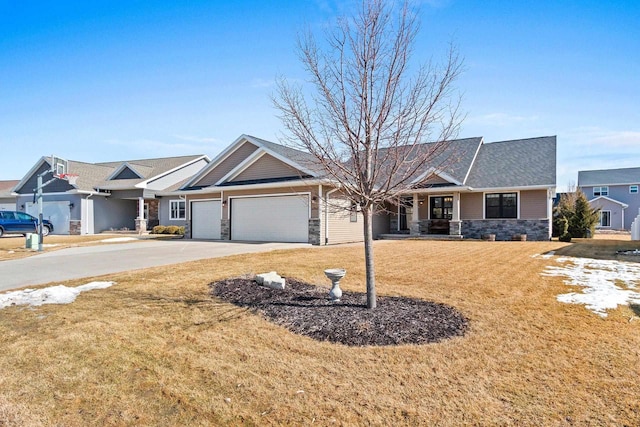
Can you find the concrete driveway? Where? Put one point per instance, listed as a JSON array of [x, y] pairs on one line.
[[75, 263]]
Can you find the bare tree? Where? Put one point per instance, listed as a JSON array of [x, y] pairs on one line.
[[367, 116]]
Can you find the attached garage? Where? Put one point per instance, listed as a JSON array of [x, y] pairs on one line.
[[271, 218], [205, 219], [57, 212]]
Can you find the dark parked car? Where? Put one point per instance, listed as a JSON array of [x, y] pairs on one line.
[[22, 223]]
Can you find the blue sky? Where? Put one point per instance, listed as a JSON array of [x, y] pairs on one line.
[[114, 80]]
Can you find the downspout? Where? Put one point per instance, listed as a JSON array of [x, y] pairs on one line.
[[326, 216], [85, 221]]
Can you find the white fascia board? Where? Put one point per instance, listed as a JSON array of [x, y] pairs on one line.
[[121, 168], [451, 189], [144, 183], [475, 156], [29, 174], [282, 158], [608, 185], [515, 188], [624, 205], [242, 166], [220, 158]]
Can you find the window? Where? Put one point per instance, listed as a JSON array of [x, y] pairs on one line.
[[177, 209], [600, 191], [441, 207], [633, 189], [605, 218], [501, 205]]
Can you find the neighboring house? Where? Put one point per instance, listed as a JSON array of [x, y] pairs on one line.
[[616, 192], [261, 191], [7, 196], [108, 196]]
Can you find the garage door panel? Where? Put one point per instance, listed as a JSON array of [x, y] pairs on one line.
[[58, 212], [205, 219], [270, 219]]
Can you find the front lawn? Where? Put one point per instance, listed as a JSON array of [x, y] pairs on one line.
[[157, 349]]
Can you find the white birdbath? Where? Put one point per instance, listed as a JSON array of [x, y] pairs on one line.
[[335, 275]]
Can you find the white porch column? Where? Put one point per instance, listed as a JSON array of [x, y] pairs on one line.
[[456, 207], [455, 225], [414, 228], [140, 207], [141, 222]]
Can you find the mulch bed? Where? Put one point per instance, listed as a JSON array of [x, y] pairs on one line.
[[307, 310]]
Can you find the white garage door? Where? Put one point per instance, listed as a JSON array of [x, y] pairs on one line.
[[205, 219], [271, 219], [57, 212]]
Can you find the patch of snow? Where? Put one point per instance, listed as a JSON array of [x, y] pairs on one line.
[[545, 255], [118, 239], [52, 295], [602, 282]]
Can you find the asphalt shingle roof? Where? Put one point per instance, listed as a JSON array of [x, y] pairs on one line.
[[95, 175], [609, 177], [6, 188], [517, 163]]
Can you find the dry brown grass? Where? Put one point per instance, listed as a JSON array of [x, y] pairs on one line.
[[13, 246], [156, 349]]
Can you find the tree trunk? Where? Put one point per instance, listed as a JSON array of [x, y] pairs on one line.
[[368, 257]]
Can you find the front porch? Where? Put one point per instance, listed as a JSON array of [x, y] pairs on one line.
[[431, 216]]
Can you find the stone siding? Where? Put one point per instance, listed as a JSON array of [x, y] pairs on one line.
[[314, 231], [505, 229], [75, 227], [225, 229]]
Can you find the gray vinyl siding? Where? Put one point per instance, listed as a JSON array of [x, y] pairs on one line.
[[621, 194], [164, 211], [233, 160], [177, 176], [56, 186], [471, 206], [615, 209], [533, 204], [267, 167], [114, 214]]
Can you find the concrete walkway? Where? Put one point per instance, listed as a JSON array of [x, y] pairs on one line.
[[75, 263]]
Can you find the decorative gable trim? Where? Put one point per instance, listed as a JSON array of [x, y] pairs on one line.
[[624, 205], [144, 183], [262, 149], [283, 159], [434, 171], [29, 174], [242, 166], [121, 168], [219, 159]]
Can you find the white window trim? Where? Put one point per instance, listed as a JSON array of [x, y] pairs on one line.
[[171, 202], [484, 204], [429, 202], [633, 186], [605, 226], [602, 191]]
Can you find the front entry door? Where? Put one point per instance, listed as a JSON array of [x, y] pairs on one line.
[[441, 211]]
